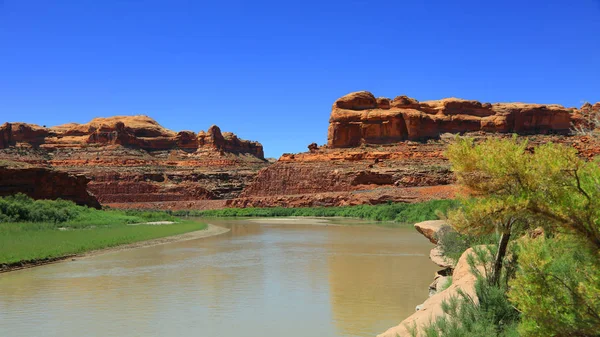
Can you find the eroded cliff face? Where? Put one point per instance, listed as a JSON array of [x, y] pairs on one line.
[[132, 161], [360, 118], [42, 183], [382, 150], [140, 132]]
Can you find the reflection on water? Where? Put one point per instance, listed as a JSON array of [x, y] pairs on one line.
[[271, 279]]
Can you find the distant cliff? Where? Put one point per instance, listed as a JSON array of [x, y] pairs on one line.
[[132, 131], [360, 118], [381, 149], [132, 161]]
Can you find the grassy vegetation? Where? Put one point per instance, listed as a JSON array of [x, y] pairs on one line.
[[399, 212], [33, 230]]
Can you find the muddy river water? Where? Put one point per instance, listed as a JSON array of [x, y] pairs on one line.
[[263, 278]]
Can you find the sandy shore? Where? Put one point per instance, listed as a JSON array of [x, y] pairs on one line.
[[212, 230]]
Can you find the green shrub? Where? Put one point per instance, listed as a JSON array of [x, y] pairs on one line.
[[397, 212], [492, 315], [557, 288], [21, 208], [453, 244]]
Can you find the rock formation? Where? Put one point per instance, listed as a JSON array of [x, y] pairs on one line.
[[376, 150], [432, 229], [360, 118], [42, 183], [131, 131], [133, 161]]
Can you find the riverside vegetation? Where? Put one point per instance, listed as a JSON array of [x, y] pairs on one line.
[[32, 231], [537, 213], [390, 214]]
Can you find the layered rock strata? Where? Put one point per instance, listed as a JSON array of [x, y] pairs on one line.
[[360, 118], [42, 183], [134, 160], [381, 150]]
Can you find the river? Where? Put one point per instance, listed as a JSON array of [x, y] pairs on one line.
[[263, 278]]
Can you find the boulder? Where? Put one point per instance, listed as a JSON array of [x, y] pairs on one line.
[[432, 229], [436, 256]]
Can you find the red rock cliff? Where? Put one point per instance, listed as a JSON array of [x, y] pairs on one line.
[[133, 161], [360, 118], [41, 183], [375, 151], [132, 131]]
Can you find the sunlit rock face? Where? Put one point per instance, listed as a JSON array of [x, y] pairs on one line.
[[132, 161], [361, 118]]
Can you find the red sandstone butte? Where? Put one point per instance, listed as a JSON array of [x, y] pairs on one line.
[[134, 160], [360, 118]]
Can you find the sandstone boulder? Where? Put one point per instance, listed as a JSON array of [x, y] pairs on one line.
[[436, 256], [432, 229]]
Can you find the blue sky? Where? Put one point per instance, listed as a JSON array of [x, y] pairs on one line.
[[270, 70]]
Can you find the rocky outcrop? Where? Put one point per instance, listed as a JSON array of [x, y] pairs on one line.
[[41, 183], [376, 153], [131, 131], [134, 160], [462, 280], [335, 177], [432, 229], [12, 133], [360, 118]]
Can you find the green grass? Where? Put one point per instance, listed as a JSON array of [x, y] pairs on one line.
[[32, 230], [20, 242], [399, 213]]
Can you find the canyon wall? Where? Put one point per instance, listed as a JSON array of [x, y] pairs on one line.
[[360, 118], [42, 183], [380, 150], [140, 132], [132, 161]]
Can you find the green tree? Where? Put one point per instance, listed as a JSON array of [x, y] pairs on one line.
[[514, 186], [498, 174], [557, 288]]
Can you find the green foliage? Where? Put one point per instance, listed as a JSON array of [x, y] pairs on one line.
[[549, 186], [21, 208], [490, 315], [517, 187], [398, 212], [557, 288], [22, 242], [454, 244], [40, 229]]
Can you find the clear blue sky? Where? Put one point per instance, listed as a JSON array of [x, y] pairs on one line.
[[270, 70]]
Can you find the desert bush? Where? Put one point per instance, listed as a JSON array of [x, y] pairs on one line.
[[489, 315], [557, 288]]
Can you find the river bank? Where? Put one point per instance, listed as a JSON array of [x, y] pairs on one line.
[[208, 230], [453, 278]]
